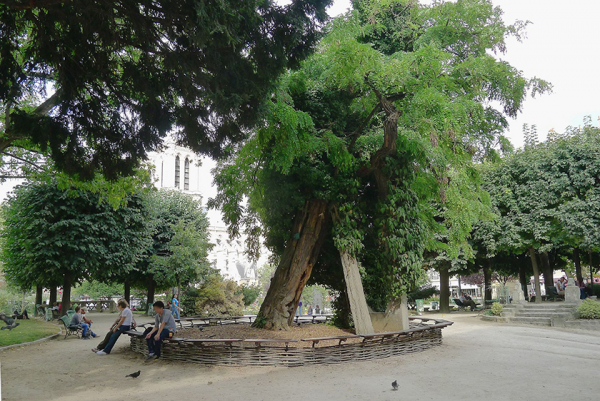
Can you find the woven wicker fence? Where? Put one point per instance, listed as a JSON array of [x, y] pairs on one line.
[[251, 353]]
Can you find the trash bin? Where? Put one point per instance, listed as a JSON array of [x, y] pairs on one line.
[[420, 307], [435, 305]]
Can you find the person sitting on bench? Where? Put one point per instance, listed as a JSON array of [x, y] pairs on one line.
[[561, 285], [164, 327], [18, 315], [467, 301]]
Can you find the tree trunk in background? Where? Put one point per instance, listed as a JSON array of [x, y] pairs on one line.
[[536, 275], [66, 296], [444, 289], [547, 271], [487, 281], [127, 291], [151, 289], [52, 299], [311, 226], [356, 295], [524, 282], [39, 291], [577, 262]]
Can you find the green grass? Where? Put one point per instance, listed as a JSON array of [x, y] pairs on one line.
[[28, 330]]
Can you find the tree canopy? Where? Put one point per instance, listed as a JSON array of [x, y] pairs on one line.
[[381, 124], [95, 85]]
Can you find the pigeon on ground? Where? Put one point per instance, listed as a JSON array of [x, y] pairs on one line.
[[11, 326], [134, 375], [395, 385], [8, 320]]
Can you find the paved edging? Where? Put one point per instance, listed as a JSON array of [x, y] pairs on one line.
[[41, 340]]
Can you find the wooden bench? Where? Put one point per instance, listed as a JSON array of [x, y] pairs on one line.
[[201, 341], [258, 342]]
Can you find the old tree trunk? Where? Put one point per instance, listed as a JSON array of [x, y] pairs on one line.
[[66, 295], [300, 255], [445, 288]]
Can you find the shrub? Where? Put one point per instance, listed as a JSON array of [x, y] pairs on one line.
[[589, 309], [496, 309]]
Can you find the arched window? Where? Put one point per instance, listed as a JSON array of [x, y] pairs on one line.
[[186, 175], [177, 171]]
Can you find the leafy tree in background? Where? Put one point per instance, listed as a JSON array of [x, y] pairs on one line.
[[98, 290], [365, 154], [178, 250], [55, 237], [95, 85]]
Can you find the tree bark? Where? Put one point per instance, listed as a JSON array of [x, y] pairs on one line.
[[577, 262], [127, 291], [444, 289], [487, 281], [66, 296], [523, 280], [52, 299], [151, 290], [356, 295], [536, 275], [39, 290], [300, 255], [547, 271]]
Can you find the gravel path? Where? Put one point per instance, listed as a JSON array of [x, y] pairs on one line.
[[478, 361]]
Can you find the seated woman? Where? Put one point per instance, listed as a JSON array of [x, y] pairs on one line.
[[123, 325], [164, 327], [88, 322]]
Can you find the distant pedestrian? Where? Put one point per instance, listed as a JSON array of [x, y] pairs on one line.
[[317, 310], [310, 310], [175, 307], [299, 309]]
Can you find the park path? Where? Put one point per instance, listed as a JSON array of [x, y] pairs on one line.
[[478, 361]]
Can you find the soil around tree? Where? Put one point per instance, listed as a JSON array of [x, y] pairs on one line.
[[245, 332]]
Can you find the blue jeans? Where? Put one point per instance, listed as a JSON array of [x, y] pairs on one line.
[[153, 345], [85, 328], [114, 337], [175, 313]]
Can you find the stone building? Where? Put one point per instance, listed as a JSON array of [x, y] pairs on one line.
[[179, 168]]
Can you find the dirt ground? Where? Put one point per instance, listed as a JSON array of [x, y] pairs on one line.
[[478, 361]]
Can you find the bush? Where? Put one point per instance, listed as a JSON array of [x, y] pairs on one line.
[[219, 297], [250, 293], [496, 309], [589, 309]]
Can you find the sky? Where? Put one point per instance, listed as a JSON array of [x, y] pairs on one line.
[[562, 47]]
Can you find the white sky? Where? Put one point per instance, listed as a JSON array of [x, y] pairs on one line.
[[562, 46]]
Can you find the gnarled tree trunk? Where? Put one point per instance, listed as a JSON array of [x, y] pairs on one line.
[[300, 255], [356, 295], [39, 290], [444, 289], [536, 275]]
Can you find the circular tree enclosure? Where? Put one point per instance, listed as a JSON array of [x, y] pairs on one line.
[[423, 334]]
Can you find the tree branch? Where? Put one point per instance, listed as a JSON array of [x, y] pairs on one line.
[[21, 159], [49, 104]]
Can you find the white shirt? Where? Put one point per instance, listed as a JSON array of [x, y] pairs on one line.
[[128, 315]]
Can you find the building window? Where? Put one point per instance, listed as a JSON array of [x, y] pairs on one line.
[[186, 175], [177, 171]]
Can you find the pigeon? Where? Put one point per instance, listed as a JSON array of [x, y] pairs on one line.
[[134, 375], [8, 320], [11, 326], [395, 385]]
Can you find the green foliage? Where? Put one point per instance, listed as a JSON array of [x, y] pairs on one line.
[[496, 309], [424, 293], [250, 293], [219, 297], [96, 94], [97, 290], [589, 309], [394, 192], [50, 233]]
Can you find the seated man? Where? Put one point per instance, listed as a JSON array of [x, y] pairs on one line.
[[88, 322], [582, 289], [164, 327], [561, 285], [77, 320], [468, 301]]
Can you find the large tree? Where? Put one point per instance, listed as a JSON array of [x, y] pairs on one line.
[[57, 237], [366, 149], [97, 84]]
